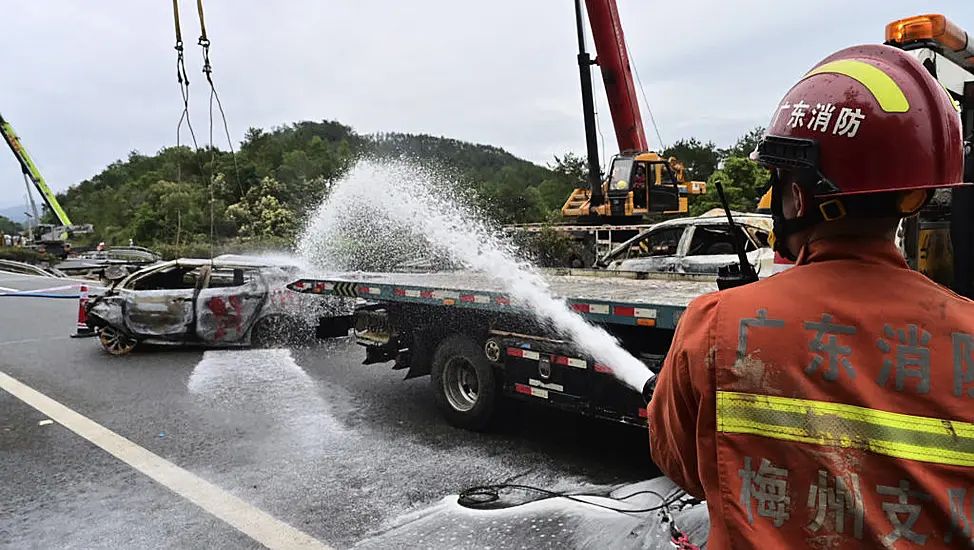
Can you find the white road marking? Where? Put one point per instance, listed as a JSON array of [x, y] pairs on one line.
[[7, 289], [34, 340], [256, 524]]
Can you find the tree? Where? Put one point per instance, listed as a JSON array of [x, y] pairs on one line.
[[744, 182], [9, 227], [699, 159], [278, 176], [568, 173], [745, 144], [263, 213]]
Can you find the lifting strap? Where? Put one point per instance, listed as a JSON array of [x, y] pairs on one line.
[[183, 80], [204, 42]]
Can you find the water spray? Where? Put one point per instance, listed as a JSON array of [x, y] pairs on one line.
[[397, 209]]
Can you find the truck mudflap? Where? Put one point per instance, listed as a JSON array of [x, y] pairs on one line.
[[383, 341], [549, 370]]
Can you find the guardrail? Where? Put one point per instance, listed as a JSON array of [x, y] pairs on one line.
[[30, 269]]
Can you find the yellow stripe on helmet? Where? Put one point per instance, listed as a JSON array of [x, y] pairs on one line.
[[886, 91]]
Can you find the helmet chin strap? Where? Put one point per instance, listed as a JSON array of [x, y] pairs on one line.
[[785, 227]]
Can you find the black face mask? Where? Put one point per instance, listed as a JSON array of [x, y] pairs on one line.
[[783, 227]]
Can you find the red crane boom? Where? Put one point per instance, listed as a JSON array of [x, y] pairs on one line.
[[613, 59], [640, 181]]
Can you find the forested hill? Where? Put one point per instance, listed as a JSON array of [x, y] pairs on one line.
[[277, 176], [265, 191]]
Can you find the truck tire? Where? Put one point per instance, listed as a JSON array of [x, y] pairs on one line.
[[464, 383]]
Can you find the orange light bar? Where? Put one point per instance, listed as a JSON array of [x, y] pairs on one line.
[[934, 27]]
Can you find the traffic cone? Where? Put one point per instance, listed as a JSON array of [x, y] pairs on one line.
[[83, 330]]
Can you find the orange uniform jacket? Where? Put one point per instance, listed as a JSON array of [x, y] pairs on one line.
[[830, 406]]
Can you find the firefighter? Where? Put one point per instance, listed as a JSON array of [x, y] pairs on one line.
[[832, 404]]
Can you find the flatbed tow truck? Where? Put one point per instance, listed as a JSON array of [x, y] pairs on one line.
[[478, 343]]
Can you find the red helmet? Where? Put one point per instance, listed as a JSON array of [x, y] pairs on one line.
[[867, 119]]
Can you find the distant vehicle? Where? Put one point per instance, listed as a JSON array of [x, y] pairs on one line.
[[229, 301], [94, 262], [698, 245], [128, 254]]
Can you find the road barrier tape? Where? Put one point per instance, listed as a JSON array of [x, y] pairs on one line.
[[49, 292], [39, 295]]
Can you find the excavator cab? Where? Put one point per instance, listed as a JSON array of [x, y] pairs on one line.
[[638, 185]]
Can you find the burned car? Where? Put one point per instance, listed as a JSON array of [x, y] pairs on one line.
[[229, 301], [697, 245]]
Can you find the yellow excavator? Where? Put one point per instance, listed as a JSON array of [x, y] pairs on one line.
[[764, 205], [638, 184], [639, 181]]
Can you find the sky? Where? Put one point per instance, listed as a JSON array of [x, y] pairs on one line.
[[88, 82]]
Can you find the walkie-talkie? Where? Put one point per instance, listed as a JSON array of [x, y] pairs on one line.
[[742, 273]]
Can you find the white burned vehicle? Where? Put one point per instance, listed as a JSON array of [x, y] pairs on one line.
[[229, 301], [699, 245]]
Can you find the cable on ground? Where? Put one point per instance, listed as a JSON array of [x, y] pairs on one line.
[[483, 495]]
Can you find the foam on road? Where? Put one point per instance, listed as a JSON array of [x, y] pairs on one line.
[[255, 523], [310, 436]]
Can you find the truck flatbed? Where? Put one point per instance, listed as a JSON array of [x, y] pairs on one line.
[[654, 301]]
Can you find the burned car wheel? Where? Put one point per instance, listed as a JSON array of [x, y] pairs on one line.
[[464, 384], [275, 331], [115, 341]]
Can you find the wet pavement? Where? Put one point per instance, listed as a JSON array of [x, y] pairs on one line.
[[350, 454]]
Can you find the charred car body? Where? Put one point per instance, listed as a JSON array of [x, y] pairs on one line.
[[699, 245], [228, 301]]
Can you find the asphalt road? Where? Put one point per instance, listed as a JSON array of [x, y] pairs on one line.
[[348, 454]]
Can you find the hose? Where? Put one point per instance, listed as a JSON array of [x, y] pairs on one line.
[[480, 496]]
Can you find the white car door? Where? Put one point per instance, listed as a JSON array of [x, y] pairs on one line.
[[657, 251]]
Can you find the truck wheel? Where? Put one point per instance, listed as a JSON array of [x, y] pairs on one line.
[[464, 384], [115, 341]]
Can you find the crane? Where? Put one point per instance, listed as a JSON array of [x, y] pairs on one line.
[[640, 181], [49, 237]]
